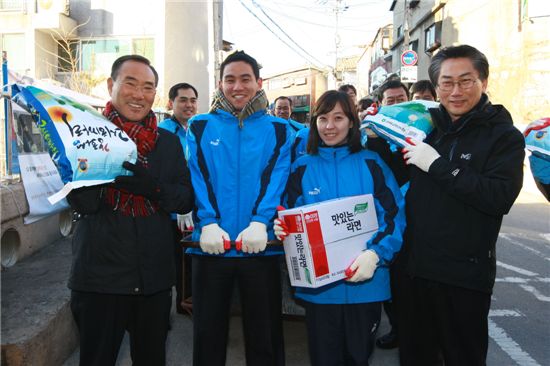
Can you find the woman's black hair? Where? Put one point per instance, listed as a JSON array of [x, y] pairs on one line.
[[324, 105]]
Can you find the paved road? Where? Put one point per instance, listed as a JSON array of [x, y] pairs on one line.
[[519, 321]]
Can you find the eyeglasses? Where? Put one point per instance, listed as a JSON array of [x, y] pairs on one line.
[[463, 84], [145, 89]]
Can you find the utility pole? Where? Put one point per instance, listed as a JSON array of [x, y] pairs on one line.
[[338, 8], [405, 27]]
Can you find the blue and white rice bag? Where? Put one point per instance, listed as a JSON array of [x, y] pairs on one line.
[[537, 141], [398, 121], [86, 148]]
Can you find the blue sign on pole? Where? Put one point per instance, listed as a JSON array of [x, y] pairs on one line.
[[409, 58]]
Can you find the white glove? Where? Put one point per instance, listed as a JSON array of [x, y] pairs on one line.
[[420, 154], [364, 266], [185, 222], [253, 238], [279, 229], [212, 237]]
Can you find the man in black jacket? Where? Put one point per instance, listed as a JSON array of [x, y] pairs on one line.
[[123, 257], [463, 179]]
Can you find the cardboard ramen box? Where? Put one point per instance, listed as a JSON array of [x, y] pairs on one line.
[[326, 237]]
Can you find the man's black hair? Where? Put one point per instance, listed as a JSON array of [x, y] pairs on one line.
[[173, 93], [283, 98], [122, 59], [364, 103], [478, 59], [423, 85], [345, 87], [391, 84], [241, 56]]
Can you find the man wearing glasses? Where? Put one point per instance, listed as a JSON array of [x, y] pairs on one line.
[[463, 178]]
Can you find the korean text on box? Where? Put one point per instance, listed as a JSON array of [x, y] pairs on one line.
[[324, 238]]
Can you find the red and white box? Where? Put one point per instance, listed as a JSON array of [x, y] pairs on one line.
[[325, 238]]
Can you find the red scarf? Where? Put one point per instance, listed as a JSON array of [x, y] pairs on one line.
[[145, 136]]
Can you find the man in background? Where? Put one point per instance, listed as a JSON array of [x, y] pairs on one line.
[[423, 90], [183, 101], [283, 109]]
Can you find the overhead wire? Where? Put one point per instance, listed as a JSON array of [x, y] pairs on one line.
[[316, 63], [286, 34]]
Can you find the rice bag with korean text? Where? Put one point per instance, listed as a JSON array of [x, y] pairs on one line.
[[398, 121], [537, 141], [86, 148]]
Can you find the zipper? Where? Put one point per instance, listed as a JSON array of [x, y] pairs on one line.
[[453, 145], [239, 130]]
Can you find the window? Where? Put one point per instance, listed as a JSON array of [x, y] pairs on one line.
[[97, 55], [144, 47], [432, 39], [413, 45], [67, 56], [100, 54], [12, 5], [399, 31]]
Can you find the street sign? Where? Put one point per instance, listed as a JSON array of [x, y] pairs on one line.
[[409, 74], [409, 58]]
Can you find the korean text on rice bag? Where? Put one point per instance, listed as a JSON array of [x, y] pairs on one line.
[[86, 147], [537, 141], [398, 121]]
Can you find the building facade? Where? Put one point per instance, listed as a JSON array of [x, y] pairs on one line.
[[303, 86], [514, 35]]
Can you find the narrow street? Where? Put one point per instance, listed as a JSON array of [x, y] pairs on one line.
[[519, 321]]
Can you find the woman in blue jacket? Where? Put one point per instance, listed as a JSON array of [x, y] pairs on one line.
[[342, 317]]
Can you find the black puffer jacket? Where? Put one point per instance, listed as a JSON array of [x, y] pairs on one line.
[[454, 212], [118, 254]]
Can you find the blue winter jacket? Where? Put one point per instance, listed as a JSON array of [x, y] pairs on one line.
[[299, 144], [171, 125], [238, 174], [337, 173]]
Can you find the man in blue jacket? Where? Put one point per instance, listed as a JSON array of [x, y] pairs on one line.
[[183, 101], [282, 107], [240, 161]]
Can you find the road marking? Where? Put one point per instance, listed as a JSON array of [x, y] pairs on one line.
[[522, 280], [517, 269], [535, 292], [497, 312], [508, 345], [545, 236], [526, 247]]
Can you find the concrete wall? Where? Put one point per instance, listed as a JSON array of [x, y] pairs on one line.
[[518, 53], [519, 72], [20, 240], [45, 55]]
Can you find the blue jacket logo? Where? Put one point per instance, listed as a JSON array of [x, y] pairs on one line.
[[314, 192]]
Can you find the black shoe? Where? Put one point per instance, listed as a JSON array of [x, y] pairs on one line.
[[388, 341]]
